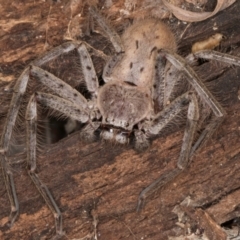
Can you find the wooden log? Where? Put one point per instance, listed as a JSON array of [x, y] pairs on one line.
[[96, 185]]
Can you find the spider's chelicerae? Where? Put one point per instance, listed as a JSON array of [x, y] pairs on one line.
[[137, 100]]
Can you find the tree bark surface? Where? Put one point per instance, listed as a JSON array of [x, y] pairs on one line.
[[97, 185]]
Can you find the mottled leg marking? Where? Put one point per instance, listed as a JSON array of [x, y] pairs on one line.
[[215, 121], [19, 91], [115, 40], [63, 106], [166, 79], [10, 186], [187, 150], [31, 123], [217, 56], [141, 141], [58, 86], [113, 36], [161, 120], [204, 94], [89, 73]]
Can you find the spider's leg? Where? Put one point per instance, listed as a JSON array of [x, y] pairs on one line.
[[204, 94], [166, 79], [54, 53], [113, 36], [31, 124], [96, 52], [221, 57], [19, 91], [64, 107], [20, 88], [159, 82], [89, 73], [217, 56], [112, 62], [71, 110], [65, 91], [160, 121], [115, 40], [58, 86]]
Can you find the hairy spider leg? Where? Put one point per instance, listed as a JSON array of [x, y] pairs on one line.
[[19, 90], [159, 122], [113, 36], [59, 87], [67, 108], [202, 90], [217, 56], [115, 40], [204, 94], [187, 150], [70, 103], [213, 125]]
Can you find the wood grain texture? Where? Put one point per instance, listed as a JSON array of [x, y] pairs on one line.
[[103, 181]]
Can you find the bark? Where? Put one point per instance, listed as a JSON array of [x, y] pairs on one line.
[[97, 185]]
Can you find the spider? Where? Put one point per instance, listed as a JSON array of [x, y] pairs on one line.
[[137, 100]]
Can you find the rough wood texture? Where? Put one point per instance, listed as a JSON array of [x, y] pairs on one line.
[[97, 183], [202, 220]]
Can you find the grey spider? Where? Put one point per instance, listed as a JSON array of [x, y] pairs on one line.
[[142, 74]]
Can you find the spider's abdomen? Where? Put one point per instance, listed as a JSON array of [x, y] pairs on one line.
[[123, 105], [141, 42]]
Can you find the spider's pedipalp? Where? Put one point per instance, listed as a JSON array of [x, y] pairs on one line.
[[87, 133], [141, 141]]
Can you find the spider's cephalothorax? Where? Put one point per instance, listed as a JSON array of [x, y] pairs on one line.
[[123, 106], [142, 74]]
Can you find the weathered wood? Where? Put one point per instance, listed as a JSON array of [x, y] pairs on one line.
[[226, 209], [101, 182]]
